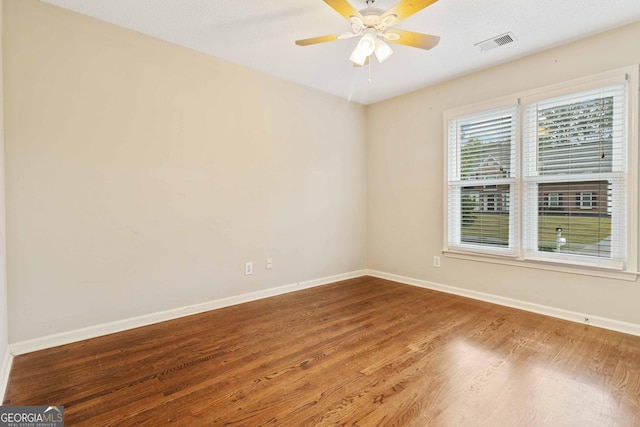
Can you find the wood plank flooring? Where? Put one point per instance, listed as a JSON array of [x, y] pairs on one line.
[[363, 352]]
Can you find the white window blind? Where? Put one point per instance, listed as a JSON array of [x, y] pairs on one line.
[[482, 167], [574, 155]]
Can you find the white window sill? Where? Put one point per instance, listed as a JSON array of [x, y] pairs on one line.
[[542, 265]]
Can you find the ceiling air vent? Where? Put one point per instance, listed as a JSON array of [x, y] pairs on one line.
[[496, 41]]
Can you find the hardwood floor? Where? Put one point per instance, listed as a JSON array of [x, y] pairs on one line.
[[363, 352]]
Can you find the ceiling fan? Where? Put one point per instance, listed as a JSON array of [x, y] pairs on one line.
[[373, 26]]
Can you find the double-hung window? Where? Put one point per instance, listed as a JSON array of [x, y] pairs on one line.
[[547, 176], [482, 158]]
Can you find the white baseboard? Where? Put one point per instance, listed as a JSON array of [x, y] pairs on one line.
[[55, 340], [4, 373], [601, 322], [136, 322], [331, 279]]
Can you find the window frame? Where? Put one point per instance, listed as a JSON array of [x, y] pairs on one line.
[[626, 271]]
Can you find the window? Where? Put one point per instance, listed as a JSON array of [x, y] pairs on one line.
[[587, 200], [505, 200], [480, 164], [490, 202], [545, 176], [552, 199]]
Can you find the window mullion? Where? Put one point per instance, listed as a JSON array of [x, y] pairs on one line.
[[520, 191]]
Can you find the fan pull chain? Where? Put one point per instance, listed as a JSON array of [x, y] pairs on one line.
[[370, 82]]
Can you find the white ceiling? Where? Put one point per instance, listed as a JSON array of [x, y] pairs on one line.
[[260, 34]]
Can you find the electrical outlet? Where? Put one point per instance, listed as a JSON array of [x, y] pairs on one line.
[[436, 261], [268, 264], [248, 268]]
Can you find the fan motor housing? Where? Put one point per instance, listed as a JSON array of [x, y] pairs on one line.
[[371, 16]]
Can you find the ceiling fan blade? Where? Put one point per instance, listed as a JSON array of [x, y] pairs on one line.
[[409, 38], [405, 9], [316, 40], [344, 8]]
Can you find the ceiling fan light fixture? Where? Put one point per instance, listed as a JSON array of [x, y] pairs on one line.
[[382, 51], [367, 44], [358, 57], [365, 47]]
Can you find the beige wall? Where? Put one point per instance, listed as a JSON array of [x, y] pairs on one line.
[[405, 181], [141, 175], [4, 329]]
